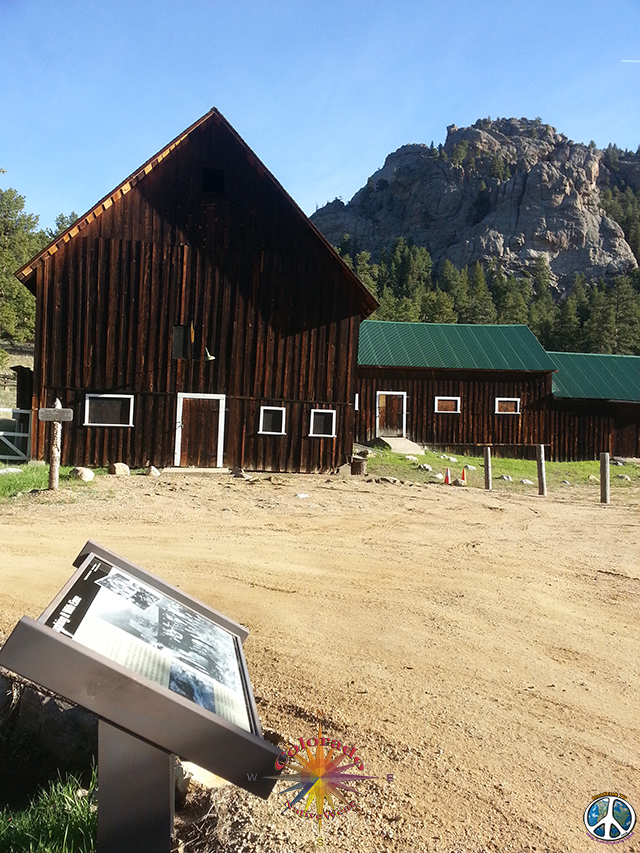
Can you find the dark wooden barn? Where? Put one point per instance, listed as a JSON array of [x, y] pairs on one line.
[[464, 387], [196, 317], [460, 387], [595, 406]]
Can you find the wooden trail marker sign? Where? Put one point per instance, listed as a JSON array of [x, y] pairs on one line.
[[57, 415], [61, 415], [164, 673]]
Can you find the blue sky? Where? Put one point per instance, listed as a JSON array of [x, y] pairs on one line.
[[321, 90]]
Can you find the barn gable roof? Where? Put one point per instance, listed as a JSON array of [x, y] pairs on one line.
[[451, 346], [367, 300], [591, 376]]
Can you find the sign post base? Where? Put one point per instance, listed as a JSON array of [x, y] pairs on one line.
[[135, 794]]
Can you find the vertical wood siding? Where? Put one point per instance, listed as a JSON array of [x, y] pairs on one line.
[[570, 429], [263, 293]]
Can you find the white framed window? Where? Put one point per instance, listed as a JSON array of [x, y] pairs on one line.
[[507, 406], [108, 410], [272, 420], [447, 405], [323, 423]]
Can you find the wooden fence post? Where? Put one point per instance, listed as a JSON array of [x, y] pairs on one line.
[[605, 495], [487, 469], [542, 477], [56, 441]]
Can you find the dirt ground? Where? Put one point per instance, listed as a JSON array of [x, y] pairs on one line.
[[480, 647]]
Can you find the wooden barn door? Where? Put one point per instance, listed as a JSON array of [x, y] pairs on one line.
[[391, 417], [200, 431]]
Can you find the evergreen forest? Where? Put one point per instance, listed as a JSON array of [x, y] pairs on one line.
[[601, 318]]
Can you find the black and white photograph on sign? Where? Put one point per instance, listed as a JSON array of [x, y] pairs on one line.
[[130, 589], [134, 625]]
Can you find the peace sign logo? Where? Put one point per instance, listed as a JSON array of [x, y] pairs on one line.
[[609, 818]]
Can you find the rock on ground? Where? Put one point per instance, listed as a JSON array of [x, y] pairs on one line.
[[119, 469], [84, 474]]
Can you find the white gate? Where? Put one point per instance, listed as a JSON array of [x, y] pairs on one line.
[[15, 442]]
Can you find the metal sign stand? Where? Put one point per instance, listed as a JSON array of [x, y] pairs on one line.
[[135, 794], [142, 723]]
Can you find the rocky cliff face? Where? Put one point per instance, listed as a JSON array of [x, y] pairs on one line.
[[511, 189]]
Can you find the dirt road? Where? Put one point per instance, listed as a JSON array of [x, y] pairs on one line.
[[480, 648]]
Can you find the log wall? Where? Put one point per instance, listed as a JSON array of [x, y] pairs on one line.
[[570, 429]]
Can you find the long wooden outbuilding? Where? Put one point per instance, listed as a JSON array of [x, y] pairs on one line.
[[595, 405], [195, 317], [463, 387]]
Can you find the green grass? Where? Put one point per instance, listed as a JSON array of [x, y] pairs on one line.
[[36, 477], [390, 464], [58, 821]]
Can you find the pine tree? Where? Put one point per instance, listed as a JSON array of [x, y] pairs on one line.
[[481, 307], [542, 310], [600, 328], [438, 307], [367, 272], [515, 308], [456, 284], [626, 311]]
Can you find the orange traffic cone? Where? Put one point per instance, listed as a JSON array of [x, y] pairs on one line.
[[464, 476], [447, 478]]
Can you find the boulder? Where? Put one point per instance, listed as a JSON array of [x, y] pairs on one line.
[[470, 467], [84, 474], [119, 469], [526, 482], [593, 479], [425, 467], [439, 476], [506, 477], [458, 482], [411, 458], [624, 477], [152, 471]]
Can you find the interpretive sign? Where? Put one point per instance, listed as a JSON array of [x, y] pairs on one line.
[[59, 415], [129, 622], [164, 673]]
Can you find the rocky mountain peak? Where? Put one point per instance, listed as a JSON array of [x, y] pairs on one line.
[[510, 189]]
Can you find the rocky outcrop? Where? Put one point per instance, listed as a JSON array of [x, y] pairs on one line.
[[511, 189]]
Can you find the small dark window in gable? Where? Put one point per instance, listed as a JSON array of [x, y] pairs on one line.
[[181, 341], [212, 180]]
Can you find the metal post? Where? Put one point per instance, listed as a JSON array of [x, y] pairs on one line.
[[487, 469], [542, 477], [56, 441], [135, 794], [605, 495]]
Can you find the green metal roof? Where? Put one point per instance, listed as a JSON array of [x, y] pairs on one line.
[[590, 376], [450, 346]]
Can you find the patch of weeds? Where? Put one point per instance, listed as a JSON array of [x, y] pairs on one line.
[[389, 464], [62, 819], [36, 477]]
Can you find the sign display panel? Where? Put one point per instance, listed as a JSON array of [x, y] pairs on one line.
[[133, 624]]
